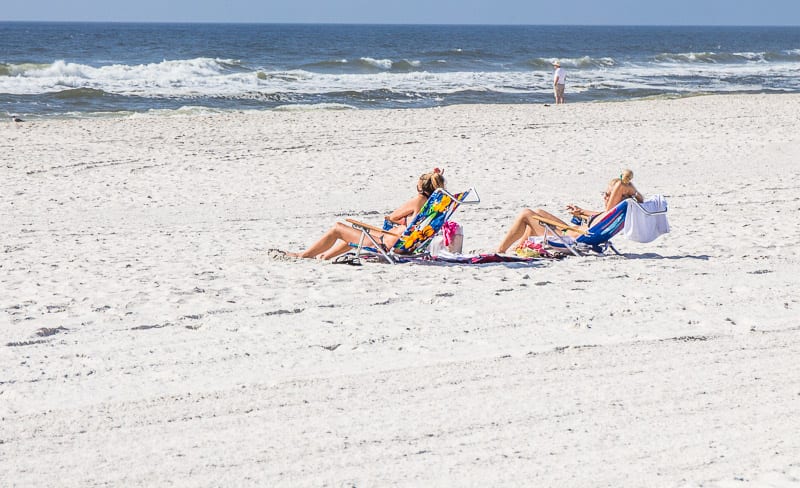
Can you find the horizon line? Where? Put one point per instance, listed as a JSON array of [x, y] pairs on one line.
[[432, 24]]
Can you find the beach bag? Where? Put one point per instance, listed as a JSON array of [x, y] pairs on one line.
[[533, 247], [450, 238]]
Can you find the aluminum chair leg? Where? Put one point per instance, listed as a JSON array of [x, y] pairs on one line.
[[378, 246], [560, 239]]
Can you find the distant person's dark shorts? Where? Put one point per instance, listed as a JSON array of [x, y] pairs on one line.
[[559, 90]]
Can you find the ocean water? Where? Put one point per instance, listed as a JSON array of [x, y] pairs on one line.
[[83, 69]]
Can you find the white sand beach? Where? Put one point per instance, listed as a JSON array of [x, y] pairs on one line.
[[148, 336]]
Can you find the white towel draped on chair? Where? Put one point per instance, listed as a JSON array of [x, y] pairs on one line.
[[646, 221]]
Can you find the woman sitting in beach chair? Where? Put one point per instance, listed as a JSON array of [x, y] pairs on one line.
[[337, 239], [528, 222]]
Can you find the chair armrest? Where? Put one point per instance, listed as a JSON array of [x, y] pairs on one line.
[[647, 212], [362, 225], [560, 226]]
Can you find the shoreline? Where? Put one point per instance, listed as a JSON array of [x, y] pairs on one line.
[[190, 110]]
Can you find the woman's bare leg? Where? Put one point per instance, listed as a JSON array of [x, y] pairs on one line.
[[544, 213], [340, 247], [337, 241], [321, 248], [525, 225]]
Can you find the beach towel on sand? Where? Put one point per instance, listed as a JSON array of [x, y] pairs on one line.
[[483, 258]]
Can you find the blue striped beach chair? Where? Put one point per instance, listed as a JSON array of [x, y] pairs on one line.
[[596, 238]]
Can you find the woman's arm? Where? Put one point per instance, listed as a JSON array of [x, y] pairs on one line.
[[409, 209], [636, 195]]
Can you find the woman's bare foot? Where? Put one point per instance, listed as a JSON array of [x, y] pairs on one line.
[[301, 255]]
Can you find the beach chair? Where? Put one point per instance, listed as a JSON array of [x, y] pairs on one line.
[[596, 238], [417, 236]]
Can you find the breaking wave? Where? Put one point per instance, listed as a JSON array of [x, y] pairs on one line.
[[585, 62], [792, 55]]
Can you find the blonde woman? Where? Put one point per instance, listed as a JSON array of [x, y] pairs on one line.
[[527, 222], [337, 239]]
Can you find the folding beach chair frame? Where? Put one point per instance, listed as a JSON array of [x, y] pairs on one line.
[[551, 227], [468, 196]]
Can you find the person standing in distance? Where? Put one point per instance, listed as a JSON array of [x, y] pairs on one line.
[[559, 80]]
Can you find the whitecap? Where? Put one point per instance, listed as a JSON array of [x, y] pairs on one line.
[[378, 63], [302, 107]]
